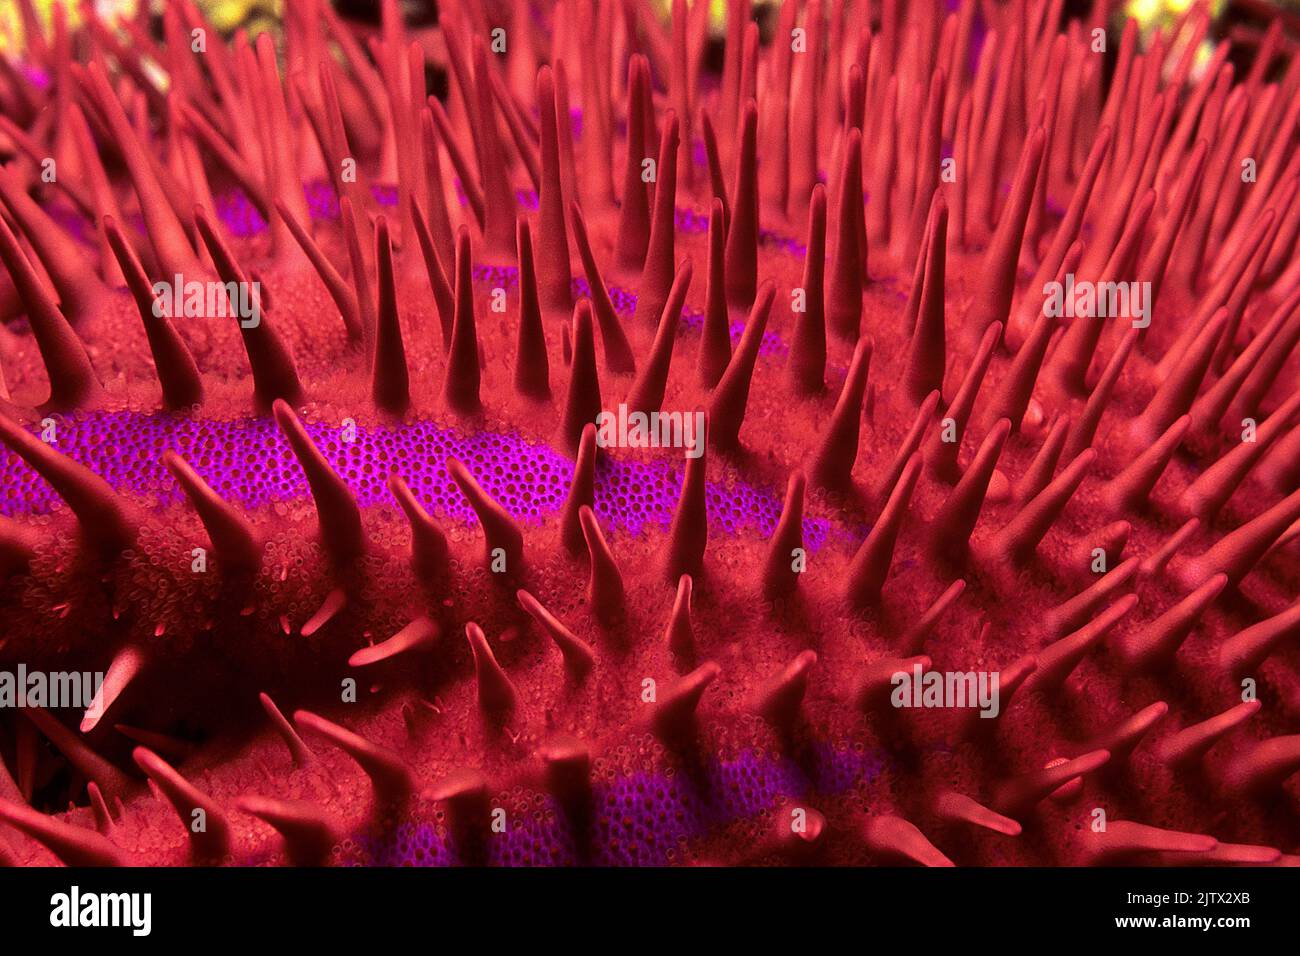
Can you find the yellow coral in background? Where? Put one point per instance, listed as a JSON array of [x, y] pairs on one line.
[[11, 21], [717, 11], [225, 15], [1163, 13], [1166, 14]]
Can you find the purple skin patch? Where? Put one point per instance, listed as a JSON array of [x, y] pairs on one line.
[[248, 461], [642, 820]]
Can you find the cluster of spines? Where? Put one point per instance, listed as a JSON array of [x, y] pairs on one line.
[[1245, 246]]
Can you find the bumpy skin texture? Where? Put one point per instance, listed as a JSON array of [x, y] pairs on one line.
[[769, 736]]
